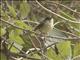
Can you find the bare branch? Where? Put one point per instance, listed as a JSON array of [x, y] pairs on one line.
[[56, 13], [67, 7], [57, 37], [38, 33], [30, 22]]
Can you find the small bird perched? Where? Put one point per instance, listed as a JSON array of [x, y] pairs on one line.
[[45, 26]]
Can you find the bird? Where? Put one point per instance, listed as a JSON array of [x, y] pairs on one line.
[[45, 26]]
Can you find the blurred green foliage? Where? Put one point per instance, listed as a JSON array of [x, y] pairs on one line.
[[17, 40]]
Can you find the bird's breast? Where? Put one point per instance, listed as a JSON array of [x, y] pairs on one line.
[[46, 28]]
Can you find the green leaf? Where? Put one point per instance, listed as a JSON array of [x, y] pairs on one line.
[[52, 55], [18, 41], [24, 9], [4, 14], [11, 10], [65, 49], [77, 49], [23, 25], [14, 36], [2, 31], [27, 41], [15, 47]]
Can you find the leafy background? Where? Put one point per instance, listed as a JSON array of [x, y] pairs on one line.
[[19, 18]]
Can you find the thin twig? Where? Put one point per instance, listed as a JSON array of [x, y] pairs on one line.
[[67, 7], [30, 22], [56, 13], [33, 43], [14, 25], [32, 49], [25, 55], [36, 47], [36, 32], [10, 42], [51, 44], [76, 57], [57, 37], [18, 27], [11, 46]]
